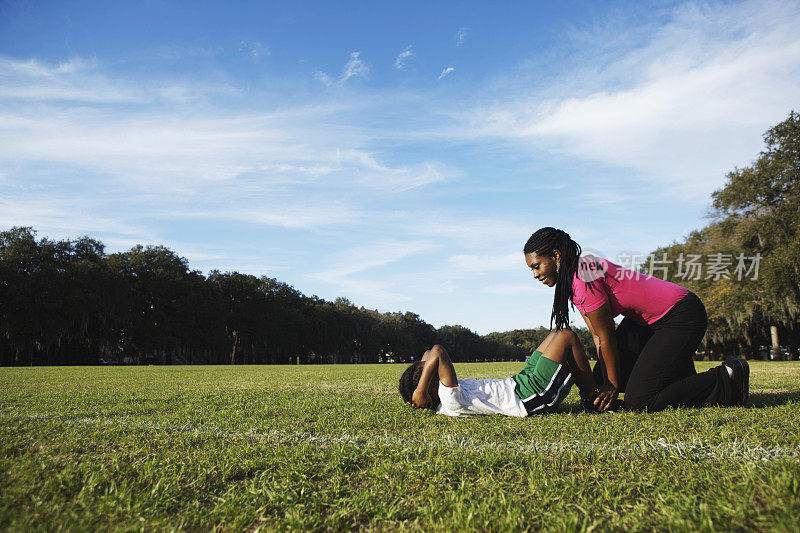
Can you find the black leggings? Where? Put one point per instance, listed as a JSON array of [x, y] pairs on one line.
[[657, 361]]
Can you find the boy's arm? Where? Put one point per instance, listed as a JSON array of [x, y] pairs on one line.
[[603, 325], [447, 374], [595, 336], [438, 364]]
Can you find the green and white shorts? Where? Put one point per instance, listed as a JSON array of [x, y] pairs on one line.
[[542, 384]]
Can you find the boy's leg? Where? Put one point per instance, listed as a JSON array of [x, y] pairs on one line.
[[545, 383], [546, 342], [533, 358], [564, 347]]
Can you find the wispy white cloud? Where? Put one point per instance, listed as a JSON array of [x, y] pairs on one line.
[[361, 258], [403, 57], [267, 211], [510, 289], [487, 262], [470, 230], [461, 36], [446, 72], [53, 219], [72, 80], [254, 49], [245, 159], [354, 68], [395, 179], [606, 198], [174, 52], [324, 78], [203, 142], [345, 270], [193, 162], [683, 109], [81, 81], [37, 69]]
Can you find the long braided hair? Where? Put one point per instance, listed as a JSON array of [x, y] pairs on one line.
[[544, 242]]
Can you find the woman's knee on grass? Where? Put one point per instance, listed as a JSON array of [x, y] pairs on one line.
[[637, 401]]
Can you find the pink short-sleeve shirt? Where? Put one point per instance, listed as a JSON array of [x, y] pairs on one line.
[[632, 294]]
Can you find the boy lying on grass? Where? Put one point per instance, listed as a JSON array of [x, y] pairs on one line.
[[541, 385]]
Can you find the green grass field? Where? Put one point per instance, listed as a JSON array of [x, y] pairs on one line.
[[333, 447]]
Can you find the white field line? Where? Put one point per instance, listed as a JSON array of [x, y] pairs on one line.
[[695, 450]]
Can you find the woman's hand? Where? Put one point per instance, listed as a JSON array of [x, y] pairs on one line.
[[420, 398], [606, 394]]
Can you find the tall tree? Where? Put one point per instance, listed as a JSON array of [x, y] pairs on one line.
[[756, 223]]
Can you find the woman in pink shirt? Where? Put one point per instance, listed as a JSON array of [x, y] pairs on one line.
[[649, 356]]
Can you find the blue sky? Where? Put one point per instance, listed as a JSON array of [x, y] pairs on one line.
[[397, 154]]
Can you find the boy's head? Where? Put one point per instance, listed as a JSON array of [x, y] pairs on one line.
[[410, 379]]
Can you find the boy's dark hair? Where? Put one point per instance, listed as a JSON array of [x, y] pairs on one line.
[[410, 379], [544, 242]]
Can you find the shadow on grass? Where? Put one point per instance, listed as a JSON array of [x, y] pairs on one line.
[[771, 399], [757, 400]]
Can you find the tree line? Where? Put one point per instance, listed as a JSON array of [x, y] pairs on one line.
[[753, 295], [69, 302]]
